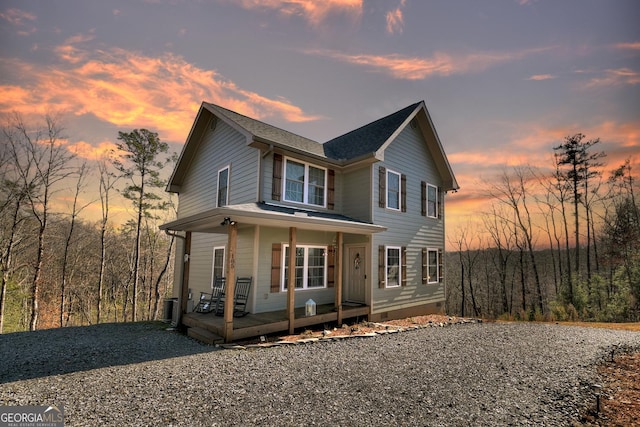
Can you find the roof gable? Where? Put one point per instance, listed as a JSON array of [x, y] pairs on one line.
[[367, 139], [372, 139]]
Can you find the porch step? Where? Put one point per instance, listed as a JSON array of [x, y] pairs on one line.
[[205, 336]]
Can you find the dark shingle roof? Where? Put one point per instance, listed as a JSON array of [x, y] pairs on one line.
[[368, 138], [270, 133]]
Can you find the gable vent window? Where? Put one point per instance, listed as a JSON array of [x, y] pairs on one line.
[[305, 183]]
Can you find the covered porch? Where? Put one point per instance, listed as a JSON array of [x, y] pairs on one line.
[[227, 220], [254, 325]]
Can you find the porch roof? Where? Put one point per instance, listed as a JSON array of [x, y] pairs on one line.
[[212, 220]]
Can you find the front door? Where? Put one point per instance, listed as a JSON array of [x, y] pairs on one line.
[[355, 289]]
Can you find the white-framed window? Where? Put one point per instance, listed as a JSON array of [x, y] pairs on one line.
[[304, 183], [311, 267], [393, 266], [223, 186], [432, 266], [432, 201], [218, 264], [393, 190]]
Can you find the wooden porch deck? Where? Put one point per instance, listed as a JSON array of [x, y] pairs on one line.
[[253, 325]]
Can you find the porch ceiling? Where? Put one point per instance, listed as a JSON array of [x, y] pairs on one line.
[[266, 214]]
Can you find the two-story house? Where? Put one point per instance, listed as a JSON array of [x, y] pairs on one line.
[[356, 223]]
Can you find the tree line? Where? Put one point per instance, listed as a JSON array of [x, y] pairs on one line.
[[58, 269], [559, 245], [555, 245]]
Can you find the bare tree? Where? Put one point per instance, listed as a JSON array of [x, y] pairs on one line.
[[548, 208], [468, 258], [107, 182], [12, 196], [502, 235], [75, 211], [41, 162], [512, 192]]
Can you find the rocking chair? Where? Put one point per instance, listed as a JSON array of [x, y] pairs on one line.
[[241, 295], [208, 300]]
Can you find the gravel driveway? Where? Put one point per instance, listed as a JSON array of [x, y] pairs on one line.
[[474, 374]]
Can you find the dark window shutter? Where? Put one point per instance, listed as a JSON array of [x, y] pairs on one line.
[[440, 266], [276, 259], [331, 190], [403, 192], [276, 184], [425, 267], [382, 276], [382, 185], [331, 267], [423, 198], [404, 265], [440, 203]]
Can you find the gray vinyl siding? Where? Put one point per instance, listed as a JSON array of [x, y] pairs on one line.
[[409, 155], [219, 148], [200, 261], [355, 194], [265, 299], [201, 258]]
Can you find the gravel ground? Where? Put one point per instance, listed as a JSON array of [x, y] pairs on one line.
[[475, 374]]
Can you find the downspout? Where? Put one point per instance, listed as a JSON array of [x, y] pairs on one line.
[[185, 259]]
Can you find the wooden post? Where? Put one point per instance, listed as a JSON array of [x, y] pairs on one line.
[[184, 290], [230, 283], [339, 260], [291, 280]]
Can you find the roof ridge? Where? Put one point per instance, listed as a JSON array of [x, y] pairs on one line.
[[258, 121]]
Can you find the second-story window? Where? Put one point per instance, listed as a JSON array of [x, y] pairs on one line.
[[393, 190], [223, 187], [304, 183]]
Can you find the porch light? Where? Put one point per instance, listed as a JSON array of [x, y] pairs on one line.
[[228, 221], [310, 308]]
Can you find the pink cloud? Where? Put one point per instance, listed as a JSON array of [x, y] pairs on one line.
[[439, 64], [20, 19], [131, 90], [86, 150], [395, 19], [314, 12], [628, 46], [617, 77], [17, 16], [540, 77]]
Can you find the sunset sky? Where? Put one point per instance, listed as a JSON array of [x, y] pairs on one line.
[[504, 81]]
